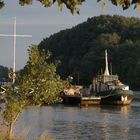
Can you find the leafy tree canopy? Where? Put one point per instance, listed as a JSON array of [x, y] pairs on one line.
[[39, 81], [72, 4], [36, 84]]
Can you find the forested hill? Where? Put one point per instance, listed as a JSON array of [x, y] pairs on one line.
[[3, 72], [81, 49]]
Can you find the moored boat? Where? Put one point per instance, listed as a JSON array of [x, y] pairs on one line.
[[71, 95], [110, 89], [105, 89]]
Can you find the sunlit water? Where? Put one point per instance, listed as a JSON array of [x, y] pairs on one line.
[[74, 123]]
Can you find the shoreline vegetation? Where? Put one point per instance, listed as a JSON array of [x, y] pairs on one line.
[[81, 49]]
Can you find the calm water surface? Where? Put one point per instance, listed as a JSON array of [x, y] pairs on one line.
[[74, 123]]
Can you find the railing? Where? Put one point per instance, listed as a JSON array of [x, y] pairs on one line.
[[107, 78]]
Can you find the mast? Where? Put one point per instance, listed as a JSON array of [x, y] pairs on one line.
[[14, 51], [14, 56], [106, 64], [110, 68]]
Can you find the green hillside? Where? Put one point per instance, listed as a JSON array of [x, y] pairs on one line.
[[3, 72], [81, 49]]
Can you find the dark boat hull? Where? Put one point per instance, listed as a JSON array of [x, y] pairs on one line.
[[117, 97], [116, 100], [110, 97], [71, 99]]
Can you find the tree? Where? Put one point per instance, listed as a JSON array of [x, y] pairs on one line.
[[72, 4], [108, 39], [14, 105], [39, 80], [36, 84]]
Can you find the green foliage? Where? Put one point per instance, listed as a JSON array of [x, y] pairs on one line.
[[72, 4], [39, 80], [81, 49], [1, 4], [109, 39], [36, 84], [14, 103], [23, 2]]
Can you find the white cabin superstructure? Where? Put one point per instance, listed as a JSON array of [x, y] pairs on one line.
[[107, 81], [106, 77]]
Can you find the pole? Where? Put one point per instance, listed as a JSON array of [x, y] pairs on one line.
[[14, 51], [14, 57]]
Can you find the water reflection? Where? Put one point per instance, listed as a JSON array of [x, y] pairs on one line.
[[61, 122], [115, 119], [123, 110]]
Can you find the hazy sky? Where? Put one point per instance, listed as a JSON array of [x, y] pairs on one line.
[[41, 22]]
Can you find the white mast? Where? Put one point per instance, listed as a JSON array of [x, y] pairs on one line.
[[14, 55], [106, 64]]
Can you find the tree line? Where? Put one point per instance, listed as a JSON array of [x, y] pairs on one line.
[[3, 73], [81, 49]]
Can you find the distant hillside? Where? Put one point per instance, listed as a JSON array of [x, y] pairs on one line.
[[3, 72], [81, 48]]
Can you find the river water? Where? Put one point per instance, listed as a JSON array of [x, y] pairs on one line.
[[74, 123]]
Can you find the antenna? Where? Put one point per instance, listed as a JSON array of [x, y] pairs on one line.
[[110, 68], [101, 71]]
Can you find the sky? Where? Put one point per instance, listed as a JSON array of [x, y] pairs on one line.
[[41, 22]]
